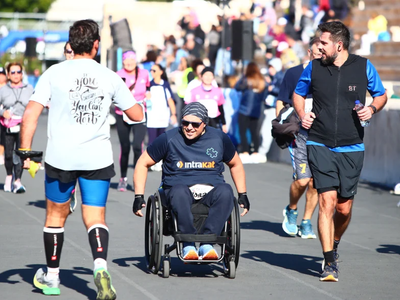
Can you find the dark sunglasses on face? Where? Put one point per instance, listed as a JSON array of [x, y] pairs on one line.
[[14, 72], [69, 51], [194, 124]]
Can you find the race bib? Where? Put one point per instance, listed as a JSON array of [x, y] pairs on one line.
[[200, 190]]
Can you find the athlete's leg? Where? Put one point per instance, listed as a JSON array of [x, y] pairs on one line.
[[326, 228], [139, 133], [94, 199], [123, 130], [311, 200], [342, 217]]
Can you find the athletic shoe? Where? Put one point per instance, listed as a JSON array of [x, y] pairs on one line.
[[190, 253], [102, 280], [123, 184], [258, 158], [18, 188], [7, 184], [48, 287], [330, 272], [289, 223], [207, 252], [306, 231], [245, 158], [72, 204], [335, 255]]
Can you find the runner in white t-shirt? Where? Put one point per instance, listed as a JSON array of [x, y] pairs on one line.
[[78, 149]]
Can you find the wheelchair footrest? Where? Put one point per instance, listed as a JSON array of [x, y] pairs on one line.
[[202, 238]]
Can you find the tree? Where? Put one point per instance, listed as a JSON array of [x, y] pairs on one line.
[[25, 6]]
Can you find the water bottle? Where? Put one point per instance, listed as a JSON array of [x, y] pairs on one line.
[[358, 106], [148, 104]]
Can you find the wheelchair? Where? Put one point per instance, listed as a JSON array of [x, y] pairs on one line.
[[160, 221]]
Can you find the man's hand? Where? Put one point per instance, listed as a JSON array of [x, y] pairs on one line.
[[138, 204], [365, 113], [244, 203], [308, 120]]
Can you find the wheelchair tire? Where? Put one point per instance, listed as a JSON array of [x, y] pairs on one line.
[[232, 270], [166, 268], [231, 258], [153, 234]]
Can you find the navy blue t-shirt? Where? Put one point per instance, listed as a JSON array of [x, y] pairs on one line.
[[289, 84], [192, 162]]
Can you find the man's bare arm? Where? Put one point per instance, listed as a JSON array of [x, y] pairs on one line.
[[135, 113], [29, 123], [307, 119]]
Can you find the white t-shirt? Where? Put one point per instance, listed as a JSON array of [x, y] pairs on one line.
[[159, 114], [80, 92]]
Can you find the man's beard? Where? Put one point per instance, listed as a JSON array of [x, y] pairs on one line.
[[329, 60]]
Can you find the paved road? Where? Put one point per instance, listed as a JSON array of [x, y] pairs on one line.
[[272, 265]]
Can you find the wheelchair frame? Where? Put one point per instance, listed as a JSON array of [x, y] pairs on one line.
[[160, 221]]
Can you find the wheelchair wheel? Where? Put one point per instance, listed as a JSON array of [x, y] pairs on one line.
[[166, 267], [232, 249], [153, 234]]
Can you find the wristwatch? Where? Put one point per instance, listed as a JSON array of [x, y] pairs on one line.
[[373, 108]]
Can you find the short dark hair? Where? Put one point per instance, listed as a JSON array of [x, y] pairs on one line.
[[313, 40], [339, 32], [82, 35]]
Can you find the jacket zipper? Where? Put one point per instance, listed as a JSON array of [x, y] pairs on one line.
[[337, 107]]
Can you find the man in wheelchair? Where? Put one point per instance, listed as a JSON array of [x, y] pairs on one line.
[[193, 164]]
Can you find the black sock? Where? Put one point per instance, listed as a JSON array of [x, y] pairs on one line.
[[328, 256], [53, 238], [336, 244], [98, 240]]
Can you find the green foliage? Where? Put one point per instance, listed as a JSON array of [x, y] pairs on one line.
[[30, 64], [25, 6]]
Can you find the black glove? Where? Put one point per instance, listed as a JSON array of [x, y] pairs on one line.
[[244, 200], [138, 203]]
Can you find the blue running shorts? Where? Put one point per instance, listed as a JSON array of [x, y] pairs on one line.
[[94, 191]]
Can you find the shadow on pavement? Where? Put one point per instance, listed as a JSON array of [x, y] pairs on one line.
[[114, 186], [389, 249], [38, 203], [178, 268], [308, 265], [68, 279], [265, 225], [139, 262]]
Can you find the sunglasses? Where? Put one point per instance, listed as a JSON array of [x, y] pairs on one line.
[[69, 51], [15, 72], [194, 124]]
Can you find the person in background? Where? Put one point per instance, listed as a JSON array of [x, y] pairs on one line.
[[274, 80], [14, 97], [68, 52], [137, 80], [254, 91], [302, 177], [162, 111], [212, 98], [195, 78], [3, 82], [151, 57]]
